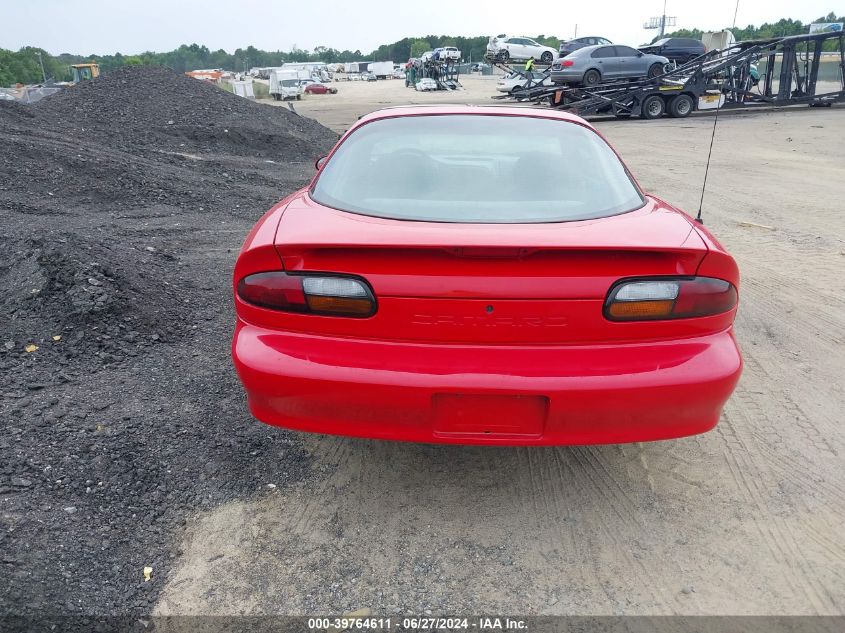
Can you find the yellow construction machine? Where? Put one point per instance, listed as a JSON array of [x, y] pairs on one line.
[[84, 72]]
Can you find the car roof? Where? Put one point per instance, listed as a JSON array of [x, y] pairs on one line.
[[589, 49], [491, 110]]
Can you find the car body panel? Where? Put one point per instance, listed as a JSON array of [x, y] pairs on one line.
[[484, 333], [676, 49], [515, 81], [580, 42], [386, 390], [612, 62]]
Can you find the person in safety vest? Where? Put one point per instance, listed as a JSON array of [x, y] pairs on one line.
[[529, 69]]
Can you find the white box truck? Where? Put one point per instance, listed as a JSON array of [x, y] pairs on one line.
[[285, 84], [382, 70]]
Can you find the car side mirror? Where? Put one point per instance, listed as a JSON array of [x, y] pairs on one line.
[[318, 164], [640, 54]]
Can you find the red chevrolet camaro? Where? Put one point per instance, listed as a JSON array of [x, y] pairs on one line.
[[483, 275]]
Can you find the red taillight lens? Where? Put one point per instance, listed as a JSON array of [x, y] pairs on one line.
[[274, 290], [669, 298], [313, 294], [567, 63]]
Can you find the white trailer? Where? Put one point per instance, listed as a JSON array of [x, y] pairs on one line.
[[317, 71], [717, 40], [382, 70]]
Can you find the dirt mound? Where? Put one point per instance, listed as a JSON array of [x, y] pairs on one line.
[[85, 304], [14, 111], [154, 106], [114, 169], [124, 201]]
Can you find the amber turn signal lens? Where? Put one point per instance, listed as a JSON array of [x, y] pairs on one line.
[[339, 305], [640, 309], [328, 295], [654, 298]]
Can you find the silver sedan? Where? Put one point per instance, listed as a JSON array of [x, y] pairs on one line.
[[593, 64]]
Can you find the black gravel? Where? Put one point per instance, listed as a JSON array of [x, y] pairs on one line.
[[124, 201]]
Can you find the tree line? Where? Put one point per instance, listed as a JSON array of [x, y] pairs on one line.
[[25, 65], [782, 28]]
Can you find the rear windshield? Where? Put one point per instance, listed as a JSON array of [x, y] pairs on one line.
[[476, 168]]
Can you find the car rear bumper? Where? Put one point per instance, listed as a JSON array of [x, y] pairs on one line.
[[500, 395], [565, 77]]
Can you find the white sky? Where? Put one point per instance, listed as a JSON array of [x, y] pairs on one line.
[[108, 26]]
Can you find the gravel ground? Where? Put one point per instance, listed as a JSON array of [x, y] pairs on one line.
[[124, 202]]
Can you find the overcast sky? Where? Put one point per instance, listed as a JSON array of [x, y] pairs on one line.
[[108, 26]]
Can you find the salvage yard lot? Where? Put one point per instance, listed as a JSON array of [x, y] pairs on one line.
[[163, 467], [742, 520]]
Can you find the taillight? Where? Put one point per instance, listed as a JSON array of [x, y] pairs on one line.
[[567, 63], [308, 293], [669, 298]]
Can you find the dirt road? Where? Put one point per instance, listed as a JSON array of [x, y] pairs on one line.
[[356, 98], [746, 519]]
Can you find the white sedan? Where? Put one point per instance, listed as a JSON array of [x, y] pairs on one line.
[[516, 81], [505, 48]]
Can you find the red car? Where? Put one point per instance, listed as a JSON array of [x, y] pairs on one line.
[[320, 89], [483, 275]]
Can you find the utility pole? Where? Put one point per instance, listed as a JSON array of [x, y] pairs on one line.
[[41, 61], [736, 10]]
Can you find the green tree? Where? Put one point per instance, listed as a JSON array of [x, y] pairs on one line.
[[418, 47]]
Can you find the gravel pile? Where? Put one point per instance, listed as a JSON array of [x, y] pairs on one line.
[[124, 201], [153, 108]]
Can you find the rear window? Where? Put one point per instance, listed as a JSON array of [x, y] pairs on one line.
[[478, 169]]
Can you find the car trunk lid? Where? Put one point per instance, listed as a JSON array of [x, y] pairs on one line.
[[490, 283]]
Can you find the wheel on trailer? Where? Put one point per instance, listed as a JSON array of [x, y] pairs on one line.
[[547, 57], [504, 55], [653, 107], [277, 96], [654, 70], [591, 77], [516, 89], [299, 97], [680, 106]]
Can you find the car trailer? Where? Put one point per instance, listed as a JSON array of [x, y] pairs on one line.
[[525, 94], [445, 73], [721, 79]]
